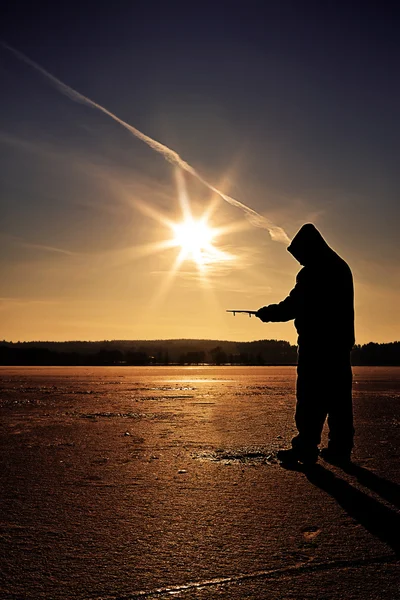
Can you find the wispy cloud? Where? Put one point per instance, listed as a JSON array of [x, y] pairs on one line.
[[34, 246], [257, 220]]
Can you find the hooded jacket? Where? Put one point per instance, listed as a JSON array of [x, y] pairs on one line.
[[322, 301]]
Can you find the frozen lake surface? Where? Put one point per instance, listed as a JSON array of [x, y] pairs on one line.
[[133, 482]]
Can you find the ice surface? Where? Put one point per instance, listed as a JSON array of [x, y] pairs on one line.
[[121, 480]]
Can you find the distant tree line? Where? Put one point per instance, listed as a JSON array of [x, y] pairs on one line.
[[162, 352], [177, 352], [377, 354]]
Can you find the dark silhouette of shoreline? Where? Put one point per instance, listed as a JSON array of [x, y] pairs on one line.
[[178, 352]]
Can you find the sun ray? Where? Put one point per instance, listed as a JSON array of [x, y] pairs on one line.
[[152, 248], [167, 281], [153, 213], [193, 239], [233, 227], [118, 258], [182, 194]]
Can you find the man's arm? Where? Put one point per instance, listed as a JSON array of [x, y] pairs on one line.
[[285, 310]]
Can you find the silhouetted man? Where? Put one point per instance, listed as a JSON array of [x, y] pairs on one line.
[[322, 305]]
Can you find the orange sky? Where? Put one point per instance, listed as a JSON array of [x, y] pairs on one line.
[[95, 278], [265, 105]]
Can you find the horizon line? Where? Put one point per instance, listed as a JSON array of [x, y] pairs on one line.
[[99, 341]]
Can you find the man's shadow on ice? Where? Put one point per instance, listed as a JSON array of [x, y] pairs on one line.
[[380, 520], [386, 489]]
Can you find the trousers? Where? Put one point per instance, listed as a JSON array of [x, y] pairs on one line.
[[324, 391]]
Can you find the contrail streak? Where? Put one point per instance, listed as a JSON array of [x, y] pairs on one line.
[[276, 233]]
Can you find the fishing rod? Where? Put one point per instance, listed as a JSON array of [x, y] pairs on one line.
[[247, 312]]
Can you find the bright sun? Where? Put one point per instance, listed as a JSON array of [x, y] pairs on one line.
[[194, 238]]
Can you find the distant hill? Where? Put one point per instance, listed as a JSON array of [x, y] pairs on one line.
[[182, 352]]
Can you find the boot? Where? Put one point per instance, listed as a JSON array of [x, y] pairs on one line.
[[335, 457], [294, 456]]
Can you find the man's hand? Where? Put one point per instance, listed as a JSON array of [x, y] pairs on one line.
[[263, 313]]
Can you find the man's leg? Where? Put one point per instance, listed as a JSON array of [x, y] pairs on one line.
[[311, 407], [340, 410]]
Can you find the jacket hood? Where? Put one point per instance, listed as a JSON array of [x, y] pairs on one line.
[[308, 246]]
